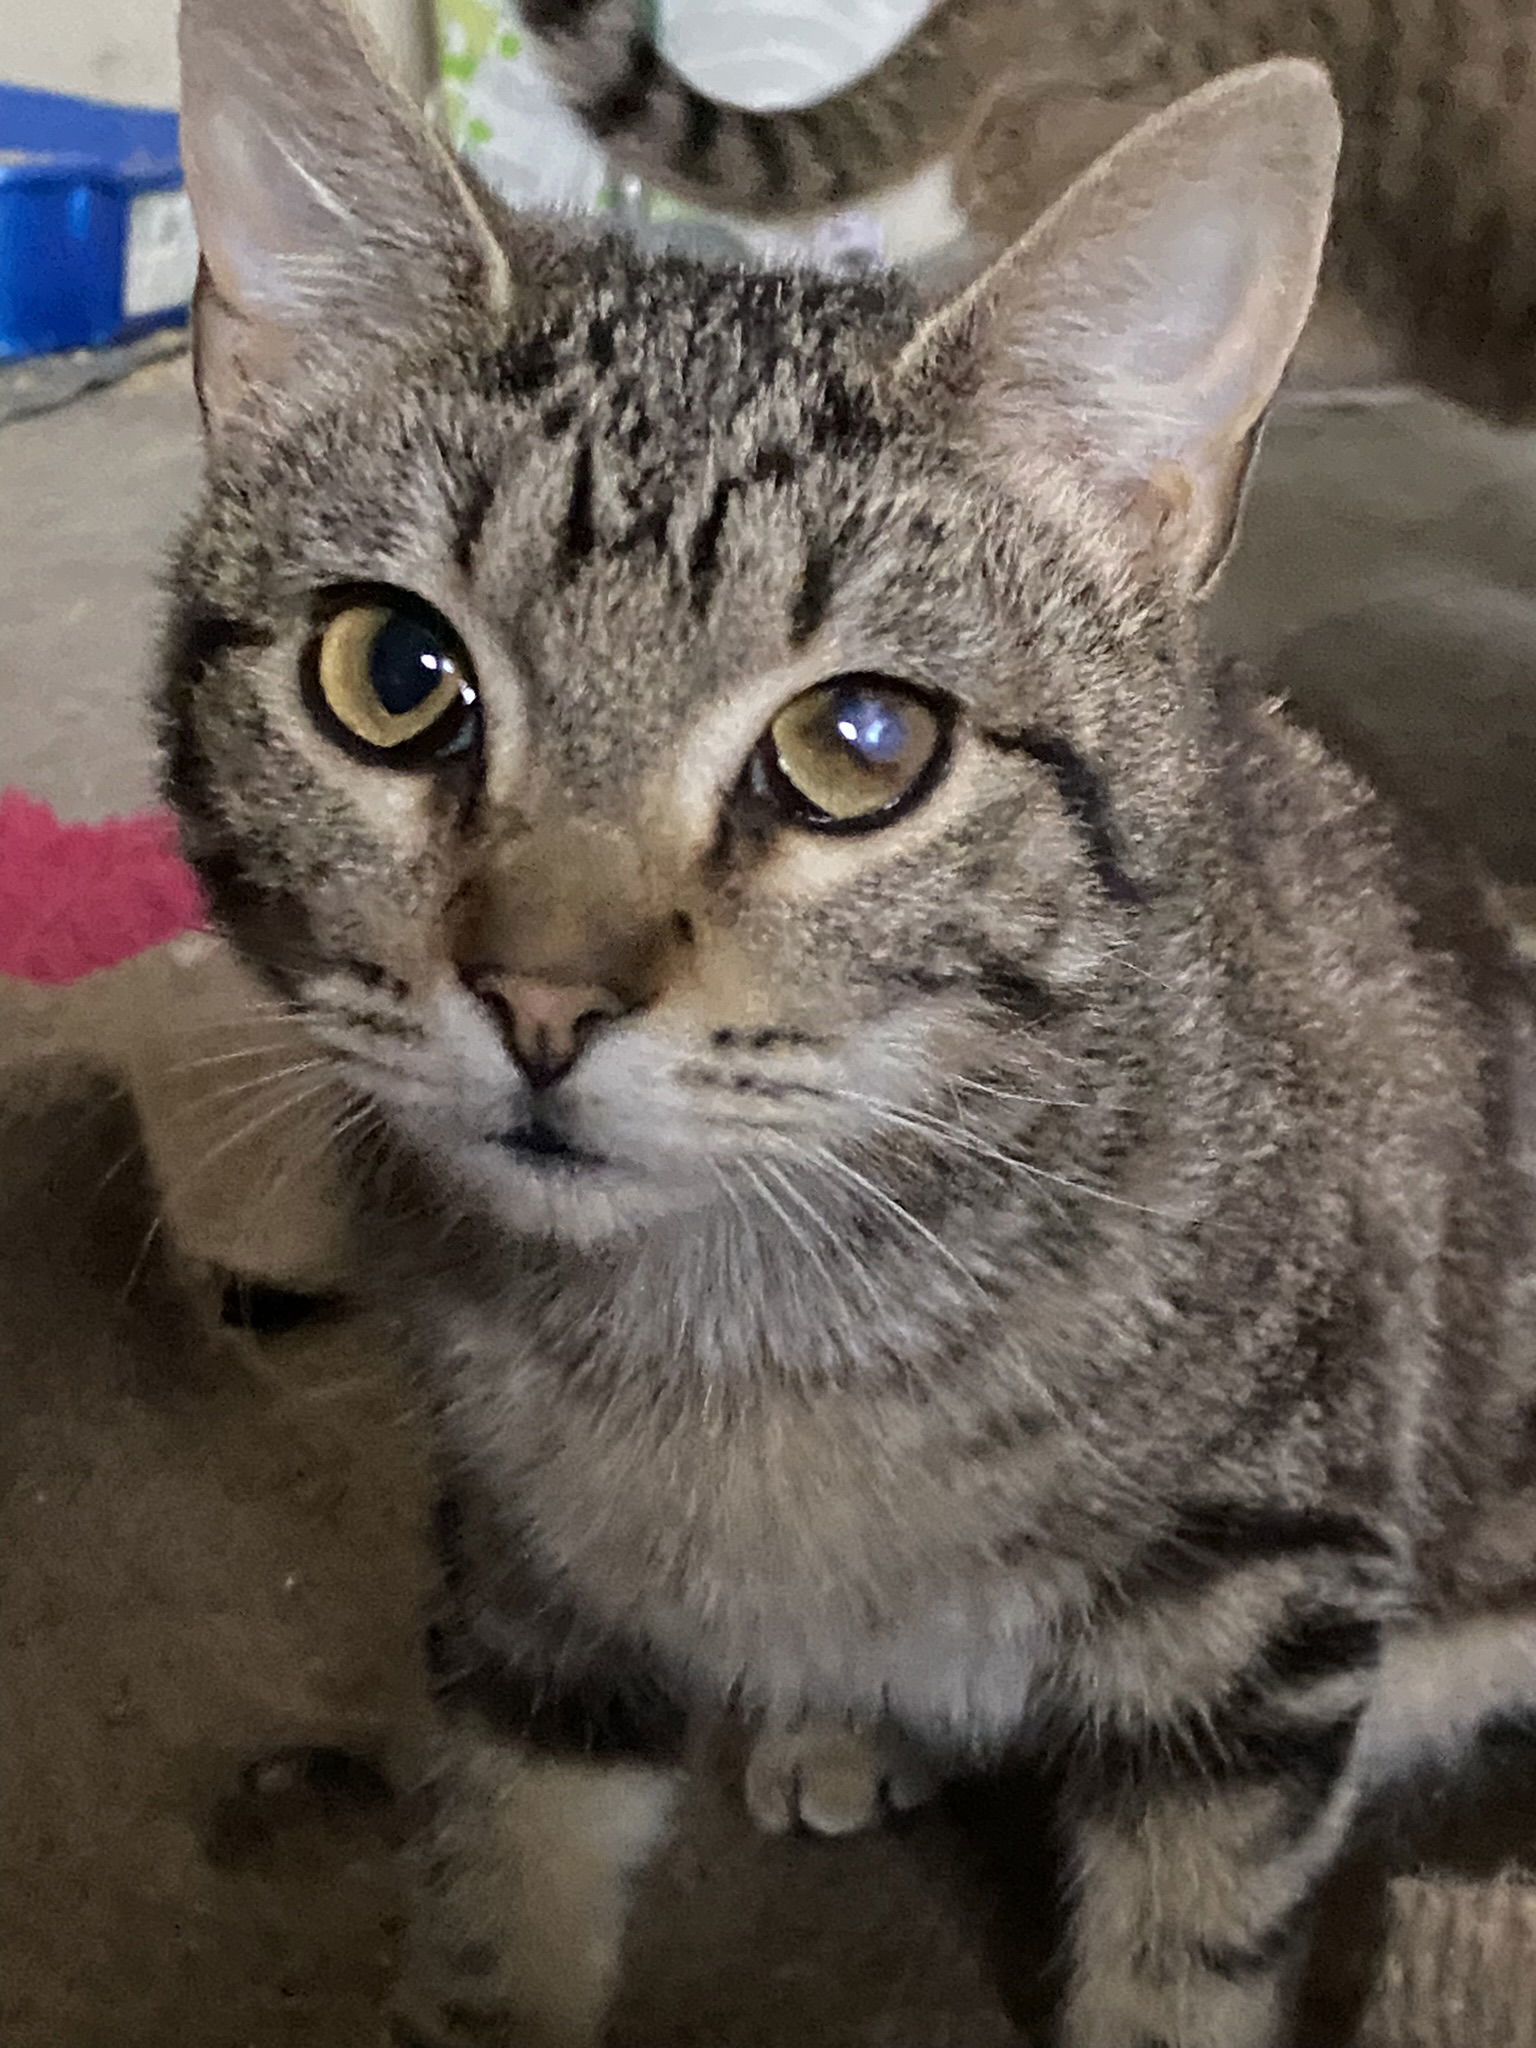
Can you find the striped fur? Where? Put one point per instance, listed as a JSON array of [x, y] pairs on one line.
[[1047, 1276], [1435, 221]]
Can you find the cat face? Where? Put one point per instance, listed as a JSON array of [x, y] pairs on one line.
[[652, 724], [629, 800]]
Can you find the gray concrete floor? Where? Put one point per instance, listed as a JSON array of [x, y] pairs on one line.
[[89, 497]]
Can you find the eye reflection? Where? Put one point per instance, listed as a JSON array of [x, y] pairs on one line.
[[854, 751], [875, 729]]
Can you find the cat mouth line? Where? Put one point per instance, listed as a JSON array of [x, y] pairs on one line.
[[538, 1145]]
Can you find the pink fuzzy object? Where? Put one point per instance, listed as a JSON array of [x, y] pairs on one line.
[[75, 898]]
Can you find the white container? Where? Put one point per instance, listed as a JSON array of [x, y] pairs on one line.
[[755, 53]]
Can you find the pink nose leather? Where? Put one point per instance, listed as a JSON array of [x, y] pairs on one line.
[[546, 1025]]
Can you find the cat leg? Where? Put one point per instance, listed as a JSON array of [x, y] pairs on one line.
[[827, 1775], [521, 1891], [1200, 1828], [555, 1765]]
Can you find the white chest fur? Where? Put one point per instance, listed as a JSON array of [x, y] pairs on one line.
[[817, 1549]]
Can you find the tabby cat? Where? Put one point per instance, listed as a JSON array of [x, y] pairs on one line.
[[930, 1179], [1431, 273]]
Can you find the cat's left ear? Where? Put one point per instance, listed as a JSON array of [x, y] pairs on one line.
[[325, 205], [1135, 336]]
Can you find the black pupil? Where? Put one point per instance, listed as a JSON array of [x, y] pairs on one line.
[[406, 663]]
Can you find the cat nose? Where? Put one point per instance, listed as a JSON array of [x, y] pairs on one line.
[[545, 1025]]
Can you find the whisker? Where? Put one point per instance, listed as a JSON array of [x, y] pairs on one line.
[[137, 1268], [234, 1091], [77, 1130], [827, 1158], [794, 1231], [976, 1148], [823, 1226], [822, 1233], [331, 1137], [1039, 1048], [364, 1114], [190, 1024], [256, 1050], [322, 1133], [133, 1151], [261, 1122], [734, 1278], [1014, 1095]]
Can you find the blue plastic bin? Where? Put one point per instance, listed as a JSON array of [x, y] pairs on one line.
[[96, 237]]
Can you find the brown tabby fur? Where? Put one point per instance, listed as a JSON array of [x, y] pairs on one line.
[[1432, 268], [1048, 1275]]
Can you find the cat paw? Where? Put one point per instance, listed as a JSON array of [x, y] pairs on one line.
[[827, 1777]]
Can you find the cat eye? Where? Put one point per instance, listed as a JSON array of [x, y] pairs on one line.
[[389, 678], [853, 753]]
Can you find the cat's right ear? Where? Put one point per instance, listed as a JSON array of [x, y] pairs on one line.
[[325, 205], [1132, 340]]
